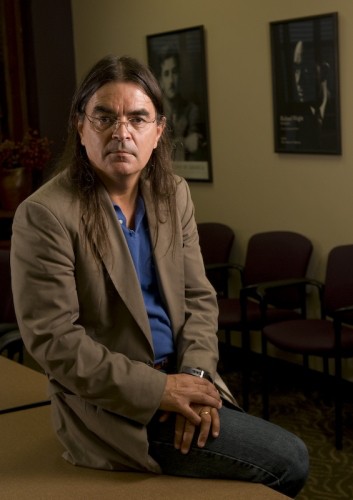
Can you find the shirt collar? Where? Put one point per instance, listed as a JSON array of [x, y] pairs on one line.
[[139, 214]]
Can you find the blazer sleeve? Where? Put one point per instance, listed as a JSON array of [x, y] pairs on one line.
[[197, 340]]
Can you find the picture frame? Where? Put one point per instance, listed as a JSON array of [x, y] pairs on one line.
[[13, 95], [177, 59], [306, 90]]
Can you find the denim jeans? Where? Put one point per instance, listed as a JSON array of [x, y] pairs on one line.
[[247, 449]]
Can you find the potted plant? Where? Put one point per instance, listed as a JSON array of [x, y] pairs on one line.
[[19, 161]]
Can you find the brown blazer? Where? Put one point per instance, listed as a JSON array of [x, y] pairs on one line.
[[86, 323]]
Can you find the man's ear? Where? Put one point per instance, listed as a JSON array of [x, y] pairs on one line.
[[160, 128], [79, 126]]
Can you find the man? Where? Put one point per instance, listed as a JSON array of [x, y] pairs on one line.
[[112, 301], [183, 116], [311, 81], [309, 97]]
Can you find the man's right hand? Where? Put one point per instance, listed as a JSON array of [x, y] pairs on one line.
[[182, 391]]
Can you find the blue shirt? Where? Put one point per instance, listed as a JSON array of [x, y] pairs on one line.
[[140, 247]]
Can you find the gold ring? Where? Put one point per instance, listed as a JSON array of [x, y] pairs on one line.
[[204, 413]]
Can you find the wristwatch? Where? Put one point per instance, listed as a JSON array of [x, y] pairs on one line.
[[197, 372]]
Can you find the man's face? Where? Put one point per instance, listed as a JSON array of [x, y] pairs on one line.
[[119, 150], [305, 74], [169, 79]]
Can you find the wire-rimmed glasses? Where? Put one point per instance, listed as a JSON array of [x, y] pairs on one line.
[[103, 123]]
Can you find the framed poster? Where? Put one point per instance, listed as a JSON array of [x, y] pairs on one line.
[[13, 96], [305, 74], [177, 59]]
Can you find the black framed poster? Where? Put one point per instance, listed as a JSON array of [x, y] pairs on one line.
[[177, 59], [305, 74]]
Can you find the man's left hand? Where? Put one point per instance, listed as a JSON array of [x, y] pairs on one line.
[[185, 430]]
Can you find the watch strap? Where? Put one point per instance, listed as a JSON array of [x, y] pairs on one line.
[[197, 372]]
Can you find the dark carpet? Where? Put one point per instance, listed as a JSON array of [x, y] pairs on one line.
[[303, 404]]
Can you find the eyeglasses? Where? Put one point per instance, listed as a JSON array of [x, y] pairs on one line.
[[103, 123]]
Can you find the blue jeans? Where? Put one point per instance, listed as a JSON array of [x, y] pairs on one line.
[[247, 449]]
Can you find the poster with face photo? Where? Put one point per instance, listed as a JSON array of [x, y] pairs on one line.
[[306, 85], [177, 59]]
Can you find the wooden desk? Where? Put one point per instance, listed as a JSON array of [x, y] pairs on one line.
[[31, 467], [20, 386]]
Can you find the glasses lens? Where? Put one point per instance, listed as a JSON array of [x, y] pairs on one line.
[[104, 123]]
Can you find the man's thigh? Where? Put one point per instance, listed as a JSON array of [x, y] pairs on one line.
[[248, 448]]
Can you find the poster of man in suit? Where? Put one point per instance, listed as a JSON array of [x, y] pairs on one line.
[[305, 85]]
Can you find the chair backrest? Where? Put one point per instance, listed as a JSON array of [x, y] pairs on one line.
[[278, 255], [216, 242], [7, 313], [338, 290]]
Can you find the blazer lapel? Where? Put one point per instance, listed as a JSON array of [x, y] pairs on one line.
[[168, 262], [121, 269]]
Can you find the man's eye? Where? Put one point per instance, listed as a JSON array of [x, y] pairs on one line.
[[105, 120], [136, 120]]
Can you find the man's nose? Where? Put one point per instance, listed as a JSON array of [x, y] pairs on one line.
[[119, 130]]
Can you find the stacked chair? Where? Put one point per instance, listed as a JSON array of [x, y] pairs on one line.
[[330, 336], [271, 257], [216, 242]]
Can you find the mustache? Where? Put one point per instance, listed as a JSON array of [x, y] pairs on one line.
[[119, 147]]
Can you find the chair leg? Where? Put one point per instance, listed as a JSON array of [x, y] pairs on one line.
[[246, 369], [265, 381], [226, 353], [327, 382], [338, 404], [305, 374]]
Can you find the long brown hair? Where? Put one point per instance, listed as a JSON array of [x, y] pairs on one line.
[[75, 162]]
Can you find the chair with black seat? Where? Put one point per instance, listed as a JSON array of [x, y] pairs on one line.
[[10, 337], [216, 243], [271, 256], [331, 336]]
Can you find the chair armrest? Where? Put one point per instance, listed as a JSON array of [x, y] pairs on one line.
[[12, 342], [262, 288], [259, 290], [340, 314], [344, 309], [249, 291], [224, 265], [7, 327]]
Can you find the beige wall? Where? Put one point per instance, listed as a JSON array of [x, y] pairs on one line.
[[254, 189]]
